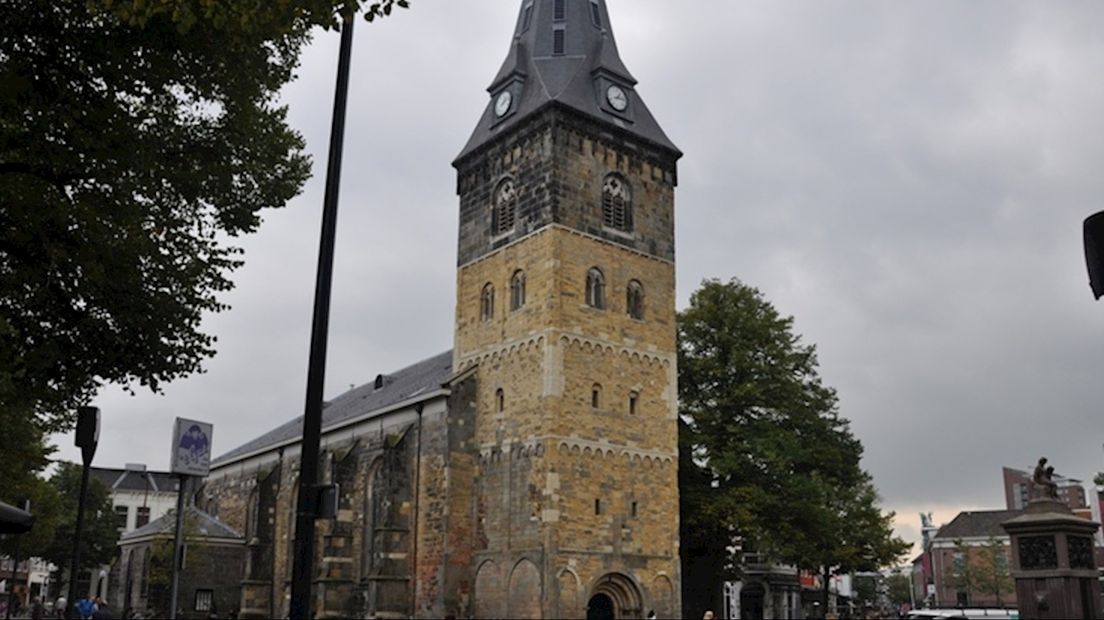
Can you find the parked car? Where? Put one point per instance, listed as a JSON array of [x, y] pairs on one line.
[[962, 613]]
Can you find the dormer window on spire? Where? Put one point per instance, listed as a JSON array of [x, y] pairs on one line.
[[595, 14], [527, 17], [559, 10], [558, 35]]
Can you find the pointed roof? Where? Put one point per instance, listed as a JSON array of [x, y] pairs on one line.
[[196, 522], [573, 69]]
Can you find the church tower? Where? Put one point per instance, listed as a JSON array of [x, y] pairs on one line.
[[565, 320]]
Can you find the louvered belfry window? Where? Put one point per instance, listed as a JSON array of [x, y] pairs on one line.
[[616, 203], [505, 212]]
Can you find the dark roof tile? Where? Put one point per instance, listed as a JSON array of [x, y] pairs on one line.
[[421, 378]]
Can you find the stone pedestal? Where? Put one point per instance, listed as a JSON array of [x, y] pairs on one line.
[[1053, 563]]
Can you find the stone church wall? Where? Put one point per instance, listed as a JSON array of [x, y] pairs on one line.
[[364, 556]]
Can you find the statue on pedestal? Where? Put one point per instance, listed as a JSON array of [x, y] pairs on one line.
[[1043, 486]]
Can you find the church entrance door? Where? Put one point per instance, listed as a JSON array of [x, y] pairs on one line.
[[615, 596], [600, 607]]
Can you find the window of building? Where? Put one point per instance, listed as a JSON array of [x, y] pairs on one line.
[[559, 10], [595, 14], [558, 42], [505, 211], [121, 513], [144, 574], [595, 289], [500, 400], [486, 302], [204, 599], [596, 396], [517, 290], [617, 203], [634, 397], [634, 509], [597, 506], [144, 516], [634, 300], [527, 17]]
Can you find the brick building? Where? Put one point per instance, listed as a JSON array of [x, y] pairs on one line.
[[210, 574], [530, 471], [965, 571]]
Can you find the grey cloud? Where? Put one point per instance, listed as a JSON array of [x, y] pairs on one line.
[[907, 180]]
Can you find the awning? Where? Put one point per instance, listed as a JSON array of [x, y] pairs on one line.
[[14, 520]]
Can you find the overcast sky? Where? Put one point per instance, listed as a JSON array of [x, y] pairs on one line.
[[907, 180]]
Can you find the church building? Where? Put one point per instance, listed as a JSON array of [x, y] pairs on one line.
[[531, 470]]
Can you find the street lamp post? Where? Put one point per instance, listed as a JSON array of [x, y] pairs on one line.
[[88, 437], [307, 508]]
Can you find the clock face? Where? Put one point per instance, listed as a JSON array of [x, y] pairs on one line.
[[617, 98], [502, 104]]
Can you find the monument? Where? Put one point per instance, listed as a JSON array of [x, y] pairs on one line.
[[1052, 556]]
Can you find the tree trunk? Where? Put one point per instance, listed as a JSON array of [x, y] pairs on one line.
[[824, 592]]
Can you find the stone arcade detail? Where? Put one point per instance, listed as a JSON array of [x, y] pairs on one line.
[[530, 472]]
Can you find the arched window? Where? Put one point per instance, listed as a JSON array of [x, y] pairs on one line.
[[517, 290], [486, 302], [617, 203], [505, 208], [500, 400], [596, 396], [634, 398], [595, 289], [634, 300]]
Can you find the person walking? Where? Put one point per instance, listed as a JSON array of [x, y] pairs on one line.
[[103, 611], [86, 607]]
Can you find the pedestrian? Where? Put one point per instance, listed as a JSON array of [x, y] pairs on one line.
[[38, 610], [103, 611], [86, 607], [708, 615], [61, 607]]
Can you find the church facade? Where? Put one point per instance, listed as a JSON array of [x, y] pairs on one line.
[[531, 471]]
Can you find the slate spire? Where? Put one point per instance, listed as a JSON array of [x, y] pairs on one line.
[[564, 52]]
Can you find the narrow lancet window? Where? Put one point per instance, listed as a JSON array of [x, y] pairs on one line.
[[634, 300], [517, 290], [486, 303], [595, 289]]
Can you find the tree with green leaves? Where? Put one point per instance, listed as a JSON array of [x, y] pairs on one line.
[[772, 465], [100, 531], [1098, 480], [138, 139], [899, 590], [981, 570]]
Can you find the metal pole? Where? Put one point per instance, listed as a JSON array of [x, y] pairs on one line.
[[177, 546], [302, 566], [74, 565]]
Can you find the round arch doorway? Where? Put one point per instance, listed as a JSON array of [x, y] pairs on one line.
[[600, 607], [614, 595]]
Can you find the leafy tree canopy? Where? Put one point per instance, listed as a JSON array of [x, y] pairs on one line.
[[137, 139], [100, 531], [772, 464]]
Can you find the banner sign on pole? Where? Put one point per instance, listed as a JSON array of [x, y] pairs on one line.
[[191, 448]]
